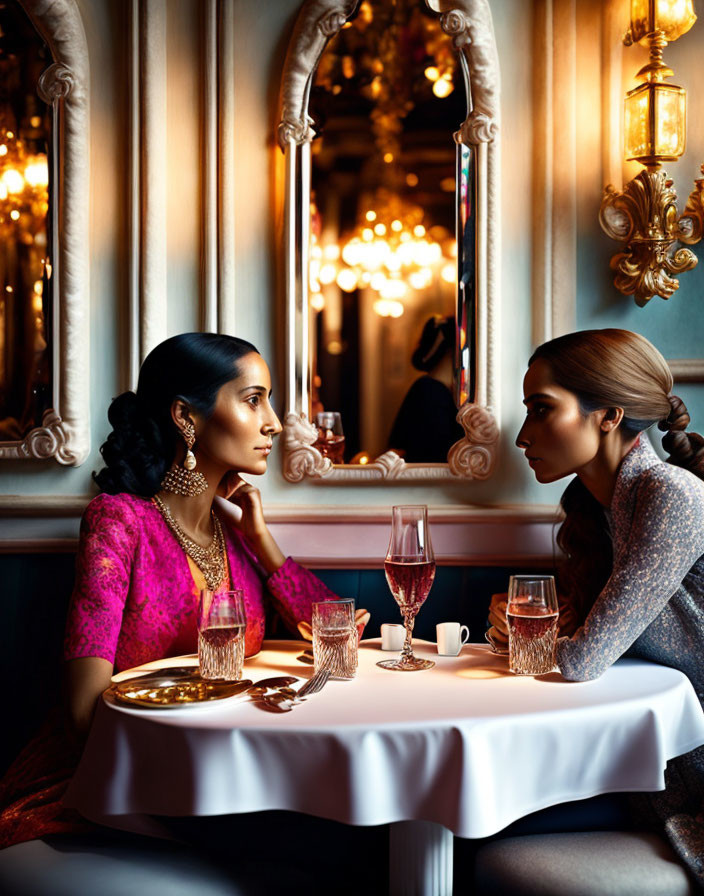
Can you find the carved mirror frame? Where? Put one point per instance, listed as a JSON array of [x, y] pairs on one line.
[[469, 24], [64, 433]]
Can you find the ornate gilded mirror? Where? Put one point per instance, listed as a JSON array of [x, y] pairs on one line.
[[391, 236], [43, 218]]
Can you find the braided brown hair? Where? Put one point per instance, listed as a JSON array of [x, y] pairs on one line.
[[605, 369]]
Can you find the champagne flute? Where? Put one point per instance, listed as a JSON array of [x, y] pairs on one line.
[[410, 570]]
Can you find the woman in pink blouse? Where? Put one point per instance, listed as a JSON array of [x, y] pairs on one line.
[[162, 530]]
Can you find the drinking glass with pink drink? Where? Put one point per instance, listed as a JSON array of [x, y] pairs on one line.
[[531, 616], [410, 570], [222, 621]]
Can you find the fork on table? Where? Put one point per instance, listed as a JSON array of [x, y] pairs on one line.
[[285, 699]]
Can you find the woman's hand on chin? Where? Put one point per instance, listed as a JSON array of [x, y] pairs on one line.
[[252, 523]]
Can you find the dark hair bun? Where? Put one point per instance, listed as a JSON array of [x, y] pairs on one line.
[[133, 452], [678, 418], [437, 338]]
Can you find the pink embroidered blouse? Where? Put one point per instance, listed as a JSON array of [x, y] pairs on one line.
[[135, 600]]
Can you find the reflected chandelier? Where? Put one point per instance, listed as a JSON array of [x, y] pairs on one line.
[[389, 252]]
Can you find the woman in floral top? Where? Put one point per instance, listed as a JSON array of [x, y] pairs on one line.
[[164, 528]]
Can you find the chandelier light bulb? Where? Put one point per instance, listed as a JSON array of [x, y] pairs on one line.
[[443, 87], [13, 180]]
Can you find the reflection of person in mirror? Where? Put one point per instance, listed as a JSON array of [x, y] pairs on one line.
[[631, 579], [174, 517], [425, 427]]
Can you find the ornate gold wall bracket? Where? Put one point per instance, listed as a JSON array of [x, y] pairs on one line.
[[644, 216], [692, 220]]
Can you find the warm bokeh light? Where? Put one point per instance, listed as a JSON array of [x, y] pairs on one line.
[[13, 180], [347, 280], [328, 273], [390, 252], [443, 87], [388, 308], [449, 272]]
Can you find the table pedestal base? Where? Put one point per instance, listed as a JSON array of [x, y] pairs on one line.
[[420, 859]]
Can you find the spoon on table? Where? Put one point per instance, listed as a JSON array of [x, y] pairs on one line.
[[275, 683]]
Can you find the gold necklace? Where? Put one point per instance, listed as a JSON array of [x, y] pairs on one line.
[[210, 560]]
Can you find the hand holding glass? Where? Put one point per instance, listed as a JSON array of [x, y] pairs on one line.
[[221, 626], [410, 570], [531, 614]]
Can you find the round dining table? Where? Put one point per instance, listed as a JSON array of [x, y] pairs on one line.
[[462, 749]]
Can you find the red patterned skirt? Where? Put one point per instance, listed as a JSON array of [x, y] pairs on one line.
[[33, 788]]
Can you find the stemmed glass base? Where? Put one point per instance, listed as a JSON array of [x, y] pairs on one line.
[[406, 664]]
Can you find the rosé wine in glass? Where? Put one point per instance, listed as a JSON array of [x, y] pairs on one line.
[[409, 582], [222, 622], [532, 618]]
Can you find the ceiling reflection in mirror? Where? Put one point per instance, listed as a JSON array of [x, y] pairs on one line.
[[387, 96], [25, 268]]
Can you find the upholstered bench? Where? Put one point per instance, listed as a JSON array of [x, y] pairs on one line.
[[72, 865], [592, 863]]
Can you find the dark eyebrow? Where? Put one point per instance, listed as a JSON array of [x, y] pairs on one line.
[[536, 396], [260, 389]]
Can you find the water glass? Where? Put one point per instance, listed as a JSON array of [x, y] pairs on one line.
[[335, 638], [221, 634], [531, 615]]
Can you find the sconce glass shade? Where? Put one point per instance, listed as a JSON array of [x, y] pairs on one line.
[[655, 123], [671, 17]]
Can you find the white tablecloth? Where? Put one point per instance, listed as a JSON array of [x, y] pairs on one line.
[[466, 744]]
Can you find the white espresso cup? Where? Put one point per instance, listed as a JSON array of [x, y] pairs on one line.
[[392, 636], [451, 636]]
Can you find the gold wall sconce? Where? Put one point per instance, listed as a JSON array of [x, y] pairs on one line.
[[644, 214]]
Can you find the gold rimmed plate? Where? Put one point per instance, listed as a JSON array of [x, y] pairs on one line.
[[169, 692]]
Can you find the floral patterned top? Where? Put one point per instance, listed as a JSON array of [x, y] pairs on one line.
[[652, 608], [135, 598]]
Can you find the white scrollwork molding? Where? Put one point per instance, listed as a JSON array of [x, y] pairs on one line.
[[470, 25], [471, 458], [64, 433]]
